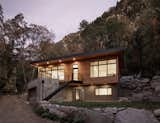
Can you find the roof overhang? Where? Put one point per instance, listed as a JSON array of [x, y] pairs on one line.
[[78, 57]]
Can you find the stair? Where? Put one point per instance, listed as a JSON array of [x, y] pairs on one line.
[[61, 87]]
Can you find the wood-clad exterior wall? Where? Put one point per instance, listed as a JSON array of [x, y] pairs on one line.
[[89, 84], [84, 72]]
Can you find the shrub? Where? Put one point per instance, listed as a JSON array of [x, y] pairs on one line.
[[46, 114], [74, 117]]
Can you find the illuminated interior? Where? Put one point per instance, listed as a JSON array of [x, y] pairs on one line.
[[77, 94], [103, 68], [54, 72], [75, 71], [103, 91]]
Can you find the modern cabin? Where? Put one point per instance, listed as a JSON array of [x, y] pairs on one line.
[[92, 76]]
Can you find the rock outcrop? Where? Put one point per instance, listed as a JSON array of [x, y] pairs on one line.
[[102, 115], [157, 113], [131, 115], [140, 89]]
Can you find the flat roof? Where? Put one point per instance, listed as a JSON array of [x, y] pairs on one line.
[[80, 55]]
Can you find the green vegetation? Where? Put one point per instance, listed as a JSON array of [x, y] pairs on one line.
[[139, 105], [20, 43], [132, 24], [46, 114], [73, 117]]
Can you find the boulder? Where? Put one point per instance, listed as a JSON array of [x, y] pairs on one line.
[[155, 99], [145, 80], [156, 77], [147, 94], [157, 112], [155, 84], [157, 90], [138, 89], [121, 109], [44, 104], [89, 116], [147, 88], [97, 109], [123, 99], [132, 115], [126, 78], [137, 97], [68, 109], [109, 111], [57, 112], [143, 96]]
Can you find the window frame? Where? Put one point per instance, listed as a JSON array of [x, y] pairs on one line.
[[43, 72], [98, 67], [106, 90], [75, 72], [60, 68], [92, 66]]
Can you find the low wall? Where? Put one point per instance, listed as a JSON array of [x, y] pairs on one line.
[[101, 115], [39, 88]]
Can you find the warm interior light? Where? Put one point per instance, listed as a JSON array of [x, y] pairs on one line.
[[74, 58], [60, 60], [37, 64], [47, 62], [50, 66]]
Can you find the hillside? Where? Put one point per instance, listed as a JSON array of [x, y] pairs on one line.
[[133, 25]]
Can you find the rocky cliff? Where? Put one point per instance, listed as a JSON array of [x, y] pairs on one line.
[[140, 89], [133, 25]]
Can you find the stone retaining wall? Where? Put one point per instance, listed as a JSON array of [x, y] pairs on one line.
[[103, 115], [140, 89]]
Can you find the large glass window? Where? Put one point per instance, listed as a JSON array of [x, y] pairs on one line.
[[42, 72], [111, 67], [75, 71], [77, 96], [61, 72], [94, 69], [48, 72], [103, 68], [103, 91], [54, 72]]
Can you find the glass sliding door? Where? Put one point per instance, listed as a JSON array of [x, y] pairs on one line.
[[77, 94], [75, 72]]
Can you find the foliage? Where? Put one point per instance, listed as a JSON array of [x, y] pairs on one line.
[[83, 24], [46, 114], [74, 117], [133, 25], [41, 44], [70, 118], [19, 44]]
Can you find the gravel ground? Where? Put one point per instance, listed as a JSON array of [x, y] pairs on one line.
[[14, 109]]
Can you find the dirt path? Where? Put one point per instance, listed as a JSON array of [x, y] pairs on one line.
[[14, 109]]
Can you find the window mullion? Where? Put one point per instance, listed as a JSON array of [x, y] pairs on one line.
[[98, 68]]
